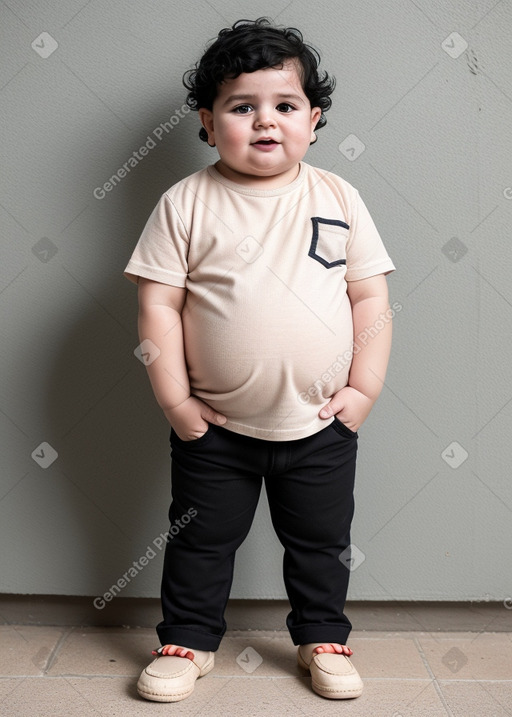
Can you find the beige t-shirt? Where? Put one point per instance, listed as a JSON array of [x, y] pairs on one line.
[[267, 321]]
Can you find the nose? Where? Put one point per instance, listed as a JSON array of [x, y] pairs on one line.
[[264, 118]]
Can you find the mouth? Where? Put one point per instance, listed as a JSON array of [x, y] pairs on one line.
[[265, 142]]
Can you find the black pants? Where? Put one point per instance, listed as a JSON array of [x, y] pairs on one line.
[[216, 483]]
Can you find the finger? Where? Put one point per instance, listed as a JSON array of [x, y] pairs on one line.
[[335, 405], [213, 417]]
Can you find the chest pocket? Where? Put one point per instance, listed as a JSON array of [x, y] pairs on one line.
[[328, 243]]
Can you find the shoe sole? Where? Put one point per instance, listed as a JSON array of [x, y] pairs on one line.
[[347, 694], [176, 696]]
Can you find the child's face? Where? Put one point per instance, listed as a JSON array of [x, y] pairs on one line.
[[267, 104]]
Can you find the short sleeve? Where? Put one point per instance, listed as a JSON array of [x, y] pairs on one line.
[[162, 250], [366, 253]]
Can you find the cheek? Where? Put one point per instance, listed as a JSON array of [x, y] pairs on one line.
[[231, 132], [302, 135], [302, 129]]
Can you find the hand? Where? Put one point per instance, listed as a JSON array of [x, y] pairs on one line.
[[350, 406], [190, 419]]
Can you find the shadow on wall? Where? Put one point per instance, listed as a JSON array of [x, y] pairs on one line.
[[112, 436]]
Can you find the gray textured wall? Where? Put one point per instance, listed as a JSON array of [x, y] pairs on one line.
[[432, 108]]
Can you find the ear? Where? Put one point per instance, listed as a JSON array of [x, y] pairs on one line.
[[316, 113], [206, 117]]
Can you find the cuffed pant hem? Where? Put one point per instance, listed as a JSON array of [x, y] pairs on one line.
[[319, 633], [188, 637]]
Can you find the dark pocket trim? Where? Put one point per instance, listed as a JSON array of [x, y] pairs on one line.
[[314, 241], [342, 429], [174, 438]]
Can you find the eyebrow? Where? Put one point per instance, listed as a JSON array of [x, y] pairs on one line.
[[233, 98]]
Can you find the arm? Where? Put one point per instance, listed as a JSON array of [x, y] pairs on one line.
[[160, 307], [372, 346]]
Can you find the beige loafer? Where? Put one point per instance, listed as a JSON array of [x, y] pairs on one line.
[[332, 674], [171, 678]]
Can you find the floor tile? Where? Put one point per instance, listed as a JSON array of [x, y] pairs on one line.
[[249, 696], [256, 653], [26, 649], [485, 699], [43, 697], [104, 651], [119, 696], [388, 657], [62, 671], [469, 656], [380, 698]]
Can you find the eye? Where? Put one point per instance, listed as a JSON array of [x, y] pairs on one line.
[[285, 107], [242, 109]]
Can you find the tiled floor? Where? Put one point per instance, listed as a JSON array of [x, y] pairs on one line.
[[92, 671]]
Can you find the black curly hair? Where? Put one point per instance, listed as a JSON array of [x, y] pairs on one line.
[[251, 45]]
